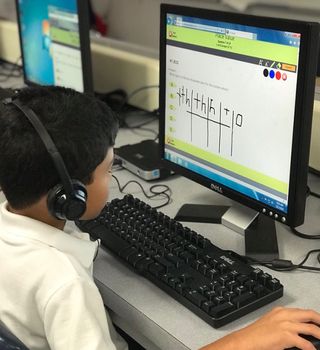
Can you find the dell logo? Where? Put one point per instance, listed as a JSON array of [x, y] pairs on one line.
[[226, 259], [216, 188]]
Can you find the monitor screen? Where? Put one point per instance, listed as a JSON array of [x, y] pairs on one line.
[[54, 37], [236, 99]]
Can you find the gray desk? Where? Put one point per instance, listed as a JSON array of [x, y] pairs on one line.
[[159, 322]]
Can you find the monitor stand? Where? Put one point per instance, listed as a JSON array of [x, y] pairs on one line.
[[259, 230]]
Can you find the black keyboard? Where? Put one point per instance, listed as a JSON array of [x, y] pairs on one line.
[[216, 285]]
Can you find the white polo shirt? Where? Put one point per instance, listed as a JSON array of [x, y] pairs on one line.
[[48, 298]]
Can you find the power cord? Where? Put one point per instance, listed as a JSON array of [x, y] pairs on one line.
[[314, 194], [141, 125], [303, 235], [314, 171], [286, 265], [135, 92], [126, 101], [165, 192], [9, 70], [119, 99]]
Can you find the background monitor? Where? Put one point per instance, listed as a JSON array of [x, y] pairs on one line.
[[236, 100], [55, 47]]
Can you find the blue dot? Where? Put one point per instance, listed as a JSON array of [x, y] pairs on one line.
[[271, 74]]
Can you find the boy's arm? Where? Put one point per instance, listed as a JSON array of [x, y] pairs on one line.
[[277, 330], [75, 319]]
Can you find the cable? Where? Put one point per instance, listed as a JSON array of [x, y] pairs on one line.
[[311, 193], [126, 102], [140, 127], [314, 194], [314, 171], [12, 68], [166, 192], [286, 265], [134, 92], [303, 235], [141, 123], [127, 98]]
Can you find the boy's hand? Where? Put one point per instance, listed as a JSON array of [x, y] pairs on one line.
[[277, 330]]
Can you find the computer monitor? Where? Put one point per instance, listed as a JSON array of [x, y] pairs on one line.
[[236, 101], [55, 46]]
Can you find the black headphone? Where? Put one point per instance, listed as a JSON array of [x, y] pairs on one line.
[[68, 199]]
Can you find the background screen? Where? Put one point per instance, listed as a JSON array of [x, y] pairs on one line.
[[51, 42]]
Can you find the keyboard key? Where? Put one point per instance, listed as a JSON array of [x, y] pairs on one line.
[[187, 279], [182, 287], [256, 273], [250, 284], [175, 260], [173, 282], [196, 297], [264, 278], [212, 273], [210, 294], [222, 309], [203, 268], [259, 290], [166, 277], [143, 264], [156, 269], [164, 262], [243, 299], [187, 257], [125, 253], [135, 257], [274, 284], [207, 305]]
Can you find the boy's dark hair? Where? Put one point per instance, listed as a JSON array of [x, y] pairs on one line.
[[82, 128]]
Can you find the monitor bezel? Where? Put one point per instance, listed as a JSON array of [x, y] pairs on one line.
[[303, 108], [84, 36]]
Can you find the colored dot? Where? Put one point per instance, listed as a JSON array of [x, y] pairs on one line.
[[265, 72], [271, 74], [278, 75], [284, 76]]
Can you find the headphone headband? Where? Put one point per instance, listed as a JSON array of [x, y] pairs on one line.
[[66, 201], [47, 140]]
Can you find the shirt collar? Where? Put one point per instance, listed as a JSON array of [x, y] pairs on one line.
[[77, 244]]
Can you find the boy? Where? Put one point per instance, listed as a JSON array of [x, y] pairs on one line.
[[48, 297]]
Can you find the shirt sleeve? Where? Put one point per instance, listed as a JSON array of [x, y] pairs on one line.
[[75, 319]]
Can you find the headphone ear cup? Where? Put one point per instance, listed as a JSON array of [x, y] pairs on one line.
[[67, 207]]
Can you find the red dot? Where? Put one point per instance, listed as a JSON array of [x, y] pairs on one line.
[[284, 76], [278, 75]]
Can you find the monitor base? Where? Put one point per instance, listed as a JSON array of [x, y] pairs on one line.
[[260, 236]]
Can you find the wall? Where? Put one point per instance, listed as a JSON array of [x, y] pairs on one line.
[[137, 21], [7, 9]]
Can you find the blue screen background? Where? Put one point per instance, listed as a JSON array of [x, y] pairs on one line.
[[38, 63]]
